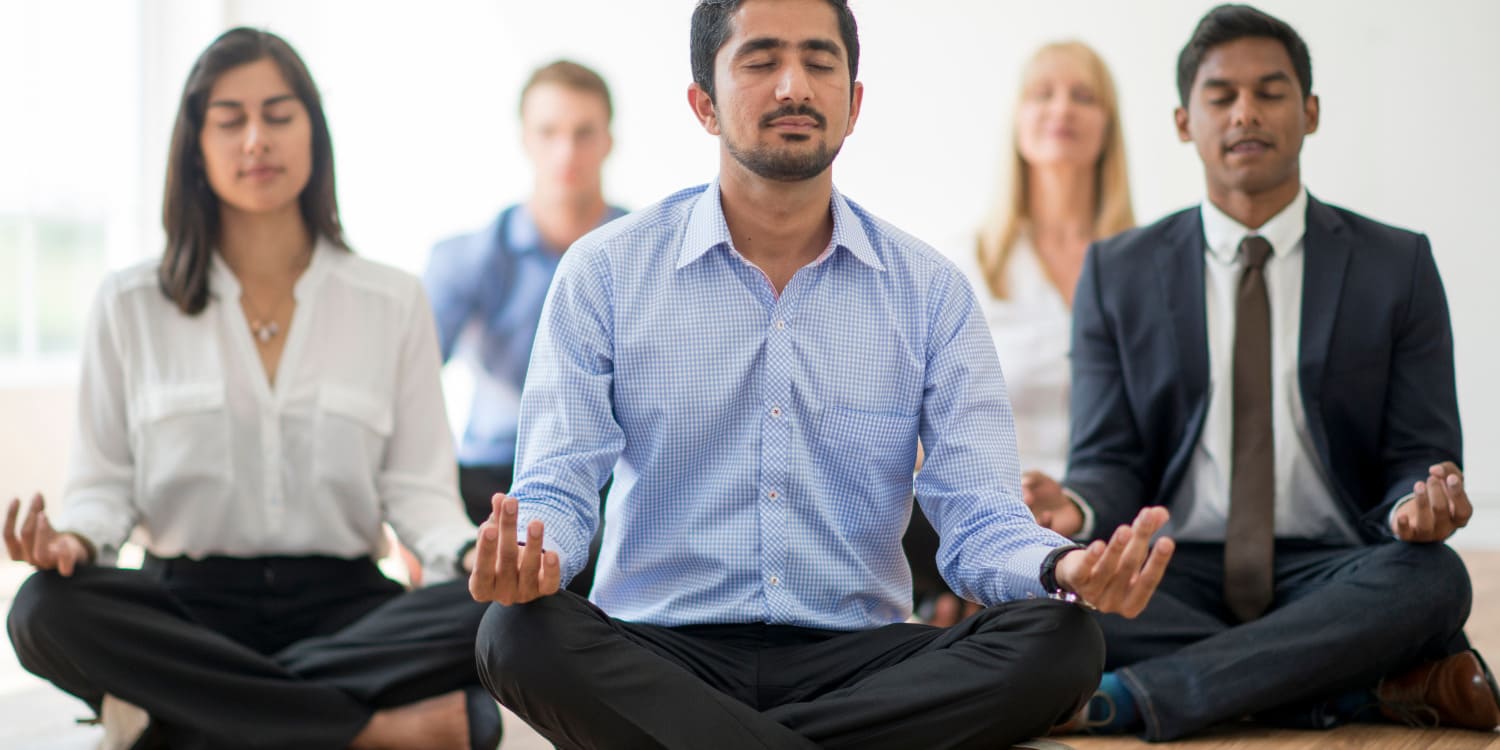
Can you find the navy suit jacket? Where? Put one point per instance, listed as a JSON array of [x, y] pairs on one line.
[[1375, 364]]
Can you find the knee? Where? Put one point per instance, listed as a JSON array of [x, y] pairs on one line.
[[1424, 590], [42, 607], [40, 601], [524, 644], [1075, 652], [1065, 656], [1446, 590]]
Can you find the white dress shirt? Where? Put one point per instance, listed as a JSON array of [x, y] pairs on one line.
[[181, 434], [1305, 505], [1032, 330]]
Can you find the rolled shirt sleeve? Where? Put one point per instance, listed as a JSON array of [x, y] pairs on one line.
[[970, 484]]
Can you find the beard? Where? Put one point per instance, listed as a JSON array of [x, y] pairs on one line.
[[785, 164]]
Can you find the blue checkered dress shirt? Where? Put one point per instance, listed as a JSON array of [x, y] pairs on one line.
[[762, 446]]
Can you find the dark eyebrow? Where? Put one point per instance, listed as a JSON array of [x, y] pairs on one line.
[[235, 104], [758, 44], [821, 45], [1277, 77], [761, 44]]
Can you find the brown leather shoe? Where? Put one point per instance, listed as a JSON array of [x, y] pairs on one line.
[[1457, 691]]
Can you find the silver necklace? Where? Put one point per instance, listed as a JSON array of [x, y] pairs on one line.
[[264, 332], [263, 328]]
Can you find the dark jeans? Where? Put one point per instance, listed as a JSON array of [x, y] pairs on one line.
[[478, 485], [1342, 618], [271, 652], [584, 679]]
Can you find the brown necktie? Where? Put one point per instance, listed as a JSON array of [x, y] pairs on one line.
[[1249, 539]]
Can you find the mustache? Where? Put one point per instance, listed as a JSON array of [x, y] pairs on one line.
[[798, 110]]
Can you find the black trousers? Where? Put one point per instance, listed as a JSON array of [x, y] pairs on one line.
[[586, 680], [265, 652], [1342, 618], [478, 485]]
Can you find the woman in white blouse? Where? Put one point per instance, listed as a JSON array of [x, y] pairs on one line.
[[1066, 187], [257, 404]]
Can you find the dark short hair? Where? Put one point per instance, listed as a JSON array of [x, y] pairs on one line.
[[1227, 23], [571, 75], [711, 28], [190, 209]]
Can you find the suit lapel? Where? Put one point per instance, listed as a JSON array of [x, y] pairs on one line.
[[1325, 253], [1180, 267]]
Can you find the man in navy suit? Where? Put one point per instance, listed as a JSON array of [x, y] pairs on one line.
[[1279, 373]]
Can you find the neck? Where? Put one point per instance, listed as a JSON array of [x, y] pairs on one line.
[[264, 249], [562, 217], [779, 226], [1253, 210], [1061, 202]]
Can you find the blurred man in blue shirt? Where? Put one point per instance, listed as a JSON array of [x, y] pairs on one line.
[[755, 360], [487, 287]]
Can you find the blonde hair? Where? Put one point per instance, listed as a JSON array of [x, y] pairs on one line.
[[1112, 211]]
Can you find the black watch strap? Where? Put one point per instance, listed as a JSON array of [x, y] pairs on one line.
[[458, 561], [1049, 567]]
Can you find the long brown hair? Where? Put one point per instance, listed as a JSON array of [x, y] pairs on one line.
[[190, 209], [1112, 211]]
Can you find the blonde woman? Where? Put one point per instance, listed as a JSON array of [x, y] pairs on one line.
[[1066, 186]]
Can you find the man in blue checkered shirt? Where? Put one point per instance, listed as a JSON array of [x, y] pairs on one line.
[[756, 360]]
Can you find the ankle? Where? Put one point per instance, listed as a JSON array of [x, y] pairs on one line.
[[438, 722], [1112, 709]]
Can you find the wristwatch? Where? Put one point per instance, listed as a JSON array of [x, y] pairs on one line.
[[458, 560], [1049, 570]]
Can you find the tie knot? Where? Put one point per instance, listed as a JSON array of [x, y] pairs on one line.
[[1254, 249]]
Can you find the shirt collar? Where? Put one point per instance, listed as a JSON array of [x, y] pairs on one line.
[[222, 282], [707, 229], [1283, 231], [521, 235]]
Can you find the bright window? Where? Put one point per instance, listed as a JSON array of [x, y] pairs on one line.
[[69, 176]]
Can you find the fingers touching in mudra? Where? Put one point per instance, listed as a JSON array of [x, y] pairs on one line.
[[508, 570], [37, 543]]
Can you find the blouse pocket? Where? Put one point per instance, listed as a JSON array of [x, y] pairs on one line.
[[185, 444], [353, 426]]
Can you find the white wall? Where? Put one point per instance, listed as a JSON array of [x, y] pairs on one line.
[[421, 99]]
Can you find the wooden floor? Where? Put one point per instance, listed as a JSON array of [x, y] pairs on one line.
[[36, 716], [1354, 737]]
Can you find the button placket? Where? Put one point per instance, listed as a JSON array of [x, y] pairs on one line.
[[270, 445], [776, 426]]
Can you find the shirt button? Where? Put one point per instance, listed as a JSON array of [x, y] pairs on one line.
[[773, 494], [775, 581], [775, 411], [780, 325]]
